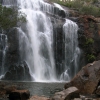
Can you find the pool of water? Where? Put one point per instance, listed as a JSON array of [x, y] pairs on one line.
[[38, 88]]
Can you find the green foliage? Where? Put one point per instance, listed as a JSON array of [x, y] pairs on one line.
[[83, 6], [89, 50], [95, 1], [91, 57], [89, 41], [9, 17], [91, 10]]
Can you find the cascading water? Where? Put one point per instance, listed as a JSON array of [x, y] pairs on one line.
[[72, 51], [39, 54], [3, 48], [9, 2], [36, 41]]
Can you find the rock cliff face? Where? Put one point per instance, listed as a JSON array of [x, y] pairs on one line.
[[89, 37], [88, 34], [10, 54], [58, 45]]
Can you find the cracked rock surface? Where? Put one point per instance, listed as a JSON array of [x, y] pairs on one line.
[[88, 79]]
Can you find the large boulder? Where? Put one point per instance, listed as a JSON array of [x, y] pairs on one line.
[[67, 94], [88, 79], [13, 92], [6, 89], [19, 72], [19, 95], [9, 89]]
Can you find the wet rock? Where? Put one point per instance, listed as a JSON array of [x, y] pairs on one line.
[[58, 45], [2, 91], [19, 95], [87, 79], [18, 72], [62, 13], [12, 54], [67, 94], [5, 90], [98, 90], [9, 89], [39, 98]]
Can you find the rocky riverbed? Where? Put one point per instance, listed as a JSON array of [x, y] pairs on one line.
[[35, 88], [84, 86]]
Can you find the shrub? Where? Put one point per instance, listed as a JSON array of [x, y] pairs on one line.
[[83, 6], [90, 9], [91, 57], [9, 17], [89, 41]]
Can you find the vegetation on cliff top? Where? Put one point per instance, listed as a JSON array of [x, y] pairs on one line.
[[87, 7], [9, 17]]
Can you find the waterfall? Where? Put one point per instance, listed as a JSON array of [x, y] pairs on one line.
[[9, 2], [38, 49], [36, 39], [72, 51], [3, 48]]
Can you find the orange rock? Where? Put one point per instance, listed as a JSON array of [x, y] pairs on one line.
[[39, 98]]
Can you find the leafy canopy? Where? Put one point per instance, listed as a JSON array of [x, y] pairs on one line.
[[9, 17]]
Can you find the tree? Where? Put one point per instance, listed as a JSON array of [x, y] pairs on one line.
[[9, 17]]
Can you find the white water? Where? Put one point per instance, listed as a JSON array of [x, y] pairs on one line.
[[38, 49], [36, 40], [3, 48], [72, 51], [58, 6], [9, 2]]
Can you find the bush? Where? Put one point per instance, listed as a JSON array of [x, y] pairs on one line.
[[91, 57], [9, 17], [83, 6], [89, 50], [91, 10], [89, 41]]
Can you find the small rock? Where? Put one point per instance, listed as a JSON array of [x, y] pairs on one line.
[[39, 98], [77, 99]]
